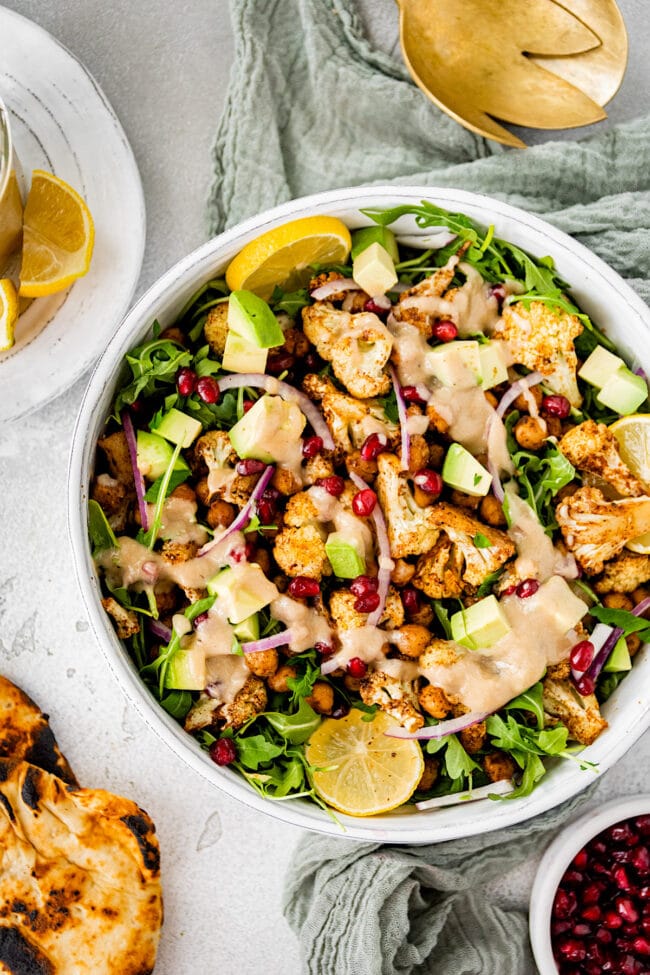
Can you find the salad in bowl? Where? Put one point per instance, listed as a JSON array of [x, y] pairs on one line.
[[371, 514]]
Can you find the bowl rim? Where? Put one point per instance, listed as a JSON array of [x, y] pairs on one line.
[[557, 857], [401, 828]]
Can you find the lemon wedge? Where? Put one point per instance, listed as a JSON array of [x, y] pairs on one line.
[[283, 256], [8, 313], [58, 237], [633, 436], [359, 770]]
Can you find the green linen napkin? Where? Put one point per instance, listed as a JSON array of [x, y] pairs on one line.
[[312, 106]]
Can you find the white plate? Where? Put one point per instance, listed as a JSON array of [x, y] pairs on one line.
[[62, 122]]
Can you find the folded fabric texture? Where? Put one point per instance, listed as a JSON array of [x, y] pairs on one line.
[[312, 106]]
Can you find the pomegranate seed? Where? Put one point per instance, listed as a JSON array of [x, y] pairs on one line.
[[364, 502], [248, 405], [585, 685], [325, 649], [302, 587], [201, 618], [334, 485], [582, 655], [581, 859], [627, 910], [642, 823], [428, 481], [510, 591], [645, 925], [444, 331], [411, 600], [644, 893], [363, 584], [592, 913], [186, 380], [373, 446], [604, 936], [573, 878], [621, 879], [223, 751], [641, 946], [376, 309], [313, 362], [357, 667], [278, 362], [572, 949], [592, 893], [311, 446], [250, 466], [641, 860], [581, 930], [558, 406], [621, 833], [266, 509], [560, 927], [612, 920], [629, 966], [622, 856], [249, 551], [340, 711], [207, 389], [565, 903], [527, 588], [598, 846], [411, 395], [367, 603], [499, 292]]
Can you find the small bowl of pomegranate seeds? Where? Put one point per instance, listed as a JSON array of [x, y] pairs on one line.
[[590, 903]]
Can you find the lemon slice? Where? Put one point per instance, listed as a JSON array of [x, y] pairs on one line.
[[283, 256], [8, 313], [361, 771], [58, 237], [633, 436]]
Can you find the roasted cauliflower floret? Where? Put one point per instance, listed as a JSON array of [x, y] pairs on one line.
[[216, 328], [358, 346], [248, 702], [411, 530], [541, 338], [397, 697], [203, 713], [625, 573], [346, 617], [596, 530], [462, 529], [301, 552], [116, 451], [214, 451], [113, 497], [300, 510], [351, 421], [593, 447], [413, 306], [439, 572], [580, 714], [126, 621]]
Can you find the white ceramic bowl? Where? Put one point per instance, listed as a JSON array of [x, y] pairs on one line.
[[602, 294], [557, 858]]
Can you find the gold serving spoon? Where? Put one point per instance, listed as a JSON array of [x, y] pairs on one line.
[[533, 63]]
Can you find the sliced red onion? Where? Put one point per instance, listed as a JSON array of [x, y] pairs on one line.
[[132, 443], [258, 380], [268, 642], [403, 421], [517, 387], [333, 287], [497, 486], [430, 241], [501, 788], [160, 630], [245, 514], [598, 637], [443, 729], [640, 371], [385, 560], [600, 658]]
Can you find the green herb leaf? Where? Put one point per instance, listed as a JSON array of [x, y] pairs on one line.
[[458, 764], [481, 541], [153, 366], [295, 728], [530, 700], [177, 477], [254, 750], [621, 618], [177, 703], [290, 302], [101, 534], [442, 614], [489, 582], [389, 406]]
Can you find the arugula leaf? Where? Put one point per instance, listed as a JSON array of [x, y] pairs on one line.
[[177, 703], [389, 406], [540, 477], [153, 365], [489, 582], [623, 619], [254, 750], [177, 477], [481, 541], [302, 686], [290, 302], [530, 700], [199, 607], [533, 771], [458, 763], [101, 534], [151, 534], [295, 728], [442, 614]]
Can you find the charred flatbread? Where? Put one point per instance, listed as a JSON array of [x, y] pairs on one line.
[[25, 733], [80, 886]]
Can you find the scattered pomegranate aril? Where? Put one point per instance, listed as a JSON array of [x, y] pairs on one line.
[[302, 587], [558, 406], [410, 600], [201, 618], [250, 466], [621, 879], [581, 655], [592, 913], [626, 909], [279, 362], [585, 685], [604, 937], [572, 949], [373, 446], [364, 503], [581, 859], [591, 894], [357, 668], [621, 833], [560, 927], [364, 584], [445, 331], [223, 751], [510, 591], [367, 603], [411, 395], [186, 380], [641, 946], [249, 551], [429, 481], [312, 446], [612, 920], [581, 930], [573, 878], [564, 904], [642, 823], [622, 856], [248, 404], [641, 860], [371, 305], [499, 292], [527, 588], [334, 485], [325, 649], [207, 389], [267, 507]]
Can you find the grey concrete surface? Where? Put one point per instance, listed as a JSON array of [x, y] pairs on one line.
[[164, 65]]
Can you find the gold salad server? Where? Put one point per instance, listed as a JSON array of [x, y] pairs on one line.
[[534, 63]]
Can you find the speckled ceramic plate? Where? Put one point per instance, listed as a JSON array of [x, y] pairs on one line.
[[62, 122]]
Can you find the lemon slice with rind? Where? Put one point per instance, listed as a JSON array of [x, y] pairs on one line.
[[633, 436], [8, 313], [283, 256], [58, 237], [359, 770]]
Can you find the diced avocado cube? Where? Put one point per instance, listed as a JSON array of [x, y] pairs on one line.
[[374, 270], [619, 659], [599, 366], [248, 629], [250, 317], [268, 430], [462, 471], [154, 456], [449, 362], [186, 671], [481, 625], [365, 236], [492, 364], [345, 558], [242, 592], [561, 602], [179, 428], [623, 392], [240, 355]]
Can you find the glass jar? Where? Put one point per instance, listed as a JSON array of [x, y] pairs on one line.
[[11, 204]]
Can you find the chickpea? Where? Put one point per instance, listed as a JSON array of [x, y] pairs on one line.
[[184, 491], [355, 464], [173, 334], [530, 433], [465, 500], [352, 683], [402, 573], [278, 680], [220, 514], [165, 601], [618, 600], [321, 698], [203, 492], [430, 774], [412, 639], [436, 456], [421, 498], [473, 739], [491, 511], [264, 663], [499, 765], [263, 559], [419, 453], [553, 426], [424, 615], [296, 342], [434, 701], [491, 398], [437, 422], [633, 643], [522, 403], [639, 594]]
